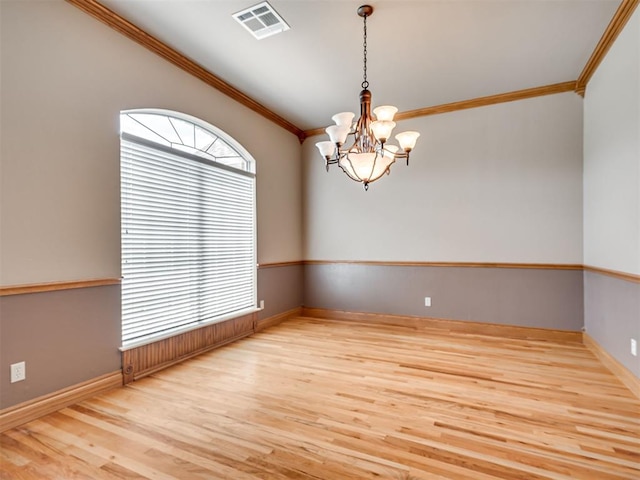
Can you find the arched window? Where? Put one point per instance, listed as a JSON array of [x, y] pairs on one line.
[[188, 225]]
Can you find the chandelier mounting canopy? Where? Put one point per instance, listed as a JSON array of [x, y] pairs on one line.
[[365, 10]]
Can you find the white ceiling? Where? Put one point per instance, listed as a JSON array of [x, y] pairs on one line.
[[420, 53]]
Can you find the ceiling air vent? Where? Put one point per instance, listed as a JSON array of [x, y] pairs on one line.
[[261, 20]]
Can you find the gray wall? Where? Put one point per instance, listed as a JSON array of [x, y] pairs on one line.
[[65, 337], [612, 316], [511, 296], [501, 184], [281, 288]]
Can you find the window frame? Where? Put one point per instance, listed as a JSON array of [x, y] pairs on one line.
[[250, 172]]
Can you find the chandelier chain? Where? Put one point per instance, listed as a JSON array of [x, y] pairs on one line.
[[365, 83]]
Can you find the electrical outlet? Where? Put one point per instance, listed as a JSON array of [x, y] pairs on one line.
[[427, 301], [261, 304], [18, 372], [634, 347]]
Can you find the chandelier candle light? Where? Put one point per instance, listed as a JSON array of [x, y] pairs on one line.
[[369, 157]]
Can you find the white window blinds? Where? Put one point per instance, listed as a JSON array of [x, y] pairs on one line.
[[188, 240]]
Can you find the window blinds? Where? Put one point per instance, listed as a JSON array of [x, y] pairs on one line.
[[188, 240]]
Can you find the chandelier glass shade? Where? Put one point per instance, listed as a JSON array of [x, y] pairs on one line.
[[367, 156]]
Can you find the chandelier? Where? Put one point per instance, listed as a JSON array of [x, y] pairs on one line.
[[369, 156]]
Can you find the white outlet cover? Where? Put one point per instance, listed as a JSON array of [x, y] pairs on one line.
[[18, 372], [427, 301], [634, 347]]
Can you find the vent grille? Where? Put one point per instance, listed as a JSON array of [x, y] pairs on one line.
[[261, 20]]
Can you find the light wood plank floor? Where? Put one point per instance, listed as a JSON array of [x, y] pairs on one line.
[[337, 400]]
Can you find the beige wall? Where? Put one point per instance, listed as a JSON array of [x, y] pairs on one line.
[[65, 78], [612, 197], [612, 157], [501, 183]]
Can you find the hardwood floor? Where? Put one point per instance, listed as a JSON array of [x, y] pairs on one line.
[[344, 400]]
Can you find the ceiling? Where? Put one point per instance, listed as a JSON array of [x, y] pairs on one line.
[[420, 53]]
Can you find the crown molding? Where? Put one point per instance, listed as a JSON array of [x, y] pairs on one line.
[[476, 102], [123, 26], [128, 29], [490, 100], [617, 23]]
